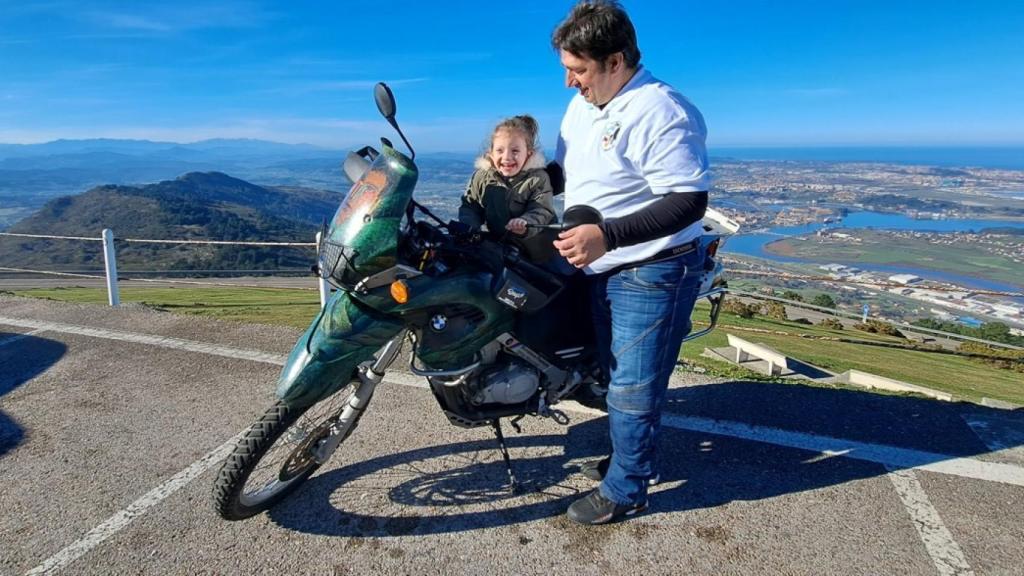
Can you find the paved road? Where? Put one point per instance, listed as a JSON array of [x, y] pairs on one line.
[[23, 283], [113, 422]]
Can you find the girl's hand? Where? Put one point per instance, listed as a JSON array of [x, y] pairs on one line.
[[516, 226]]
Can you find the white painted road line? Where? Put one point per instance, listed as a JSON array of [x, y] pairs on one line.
[[996, 432], [878, 453], [942, 548], [17, 337], [162, 341], [837, 447], [118, 521]]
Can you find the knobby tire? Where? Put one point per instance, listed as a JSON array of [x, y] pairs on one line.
[[231, 480]]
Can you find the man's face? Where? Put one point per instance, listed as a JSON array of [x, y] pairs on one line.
[[598, 84]]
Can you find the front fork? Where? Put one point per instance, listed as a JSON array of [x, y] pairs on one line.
[[370, 375]]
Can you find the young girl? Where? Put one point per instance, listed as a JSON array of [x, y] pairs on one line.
[[510, 188]]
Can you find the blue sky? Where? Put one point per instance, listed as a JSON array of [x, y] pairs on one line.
[[764, 73]]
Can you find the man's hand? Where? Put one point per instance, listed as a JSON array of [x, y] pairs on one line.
[[516, 226], [581, 245]]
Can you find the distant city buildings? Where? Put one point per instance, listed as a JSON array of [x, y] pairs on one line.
[[904, 278]]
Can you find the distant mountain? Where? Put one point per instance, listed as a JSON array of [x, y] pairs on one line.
[[31, 174], [209, 206], [78, 146], [216, 146]]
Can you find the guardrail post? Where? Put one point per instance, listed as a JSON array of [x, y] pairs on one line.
[[110, 263], [325, 288]]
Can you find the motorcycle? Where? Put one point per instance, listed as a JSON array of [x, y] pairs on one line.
[[468, 305]]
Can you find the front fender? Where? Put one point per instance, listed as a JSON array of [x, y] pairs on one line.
[[325, 358]]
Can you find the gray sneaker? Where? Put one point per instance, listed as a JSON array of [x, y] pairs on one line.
[[594, 508], [597, 469]]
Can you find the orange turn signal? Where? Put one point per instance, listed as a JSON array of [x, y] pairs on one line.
[[400, 291], [713, 248]]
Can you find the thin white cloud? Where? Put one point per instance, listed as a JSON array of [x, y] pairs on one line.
[[131, 22], [446, 134], [167, 19], [337, 86], [817, 92], [321, 131]]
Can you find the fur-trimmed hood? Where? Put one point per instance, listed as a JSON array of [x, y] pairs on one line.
[[536, 160]]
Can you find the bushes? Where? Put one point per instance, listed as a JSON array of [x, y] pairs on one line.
[[995, 331], [831, 324], [738, 308], [823, 300], [879, 327], [794, 296], [774, 310], [999, 357]]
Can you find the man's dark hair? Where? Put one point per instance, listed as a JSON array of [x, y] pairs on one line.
[[597, 29]]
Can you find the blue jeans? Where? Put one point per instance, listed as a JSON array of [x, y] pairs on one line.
[[641, 316]]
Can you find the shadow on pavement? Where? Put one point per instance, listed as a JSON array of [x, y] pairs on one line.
[[460, 486], [21, 359]]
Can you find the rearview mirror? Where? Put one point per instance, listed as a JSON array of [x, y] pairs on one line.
[[385, 101]]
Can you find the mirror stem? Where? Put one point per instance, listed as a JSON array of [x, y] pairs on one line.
[[394, 124]]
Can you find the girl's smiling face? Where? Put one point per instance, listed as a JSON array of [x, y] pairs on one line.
[[509, 152]]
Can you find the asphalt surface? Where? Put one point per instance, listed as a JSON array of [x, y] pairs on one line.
[[111, 422], [24, 282]]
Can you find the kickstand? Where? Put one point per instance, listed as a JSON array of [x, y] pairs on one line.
[[513, 484]]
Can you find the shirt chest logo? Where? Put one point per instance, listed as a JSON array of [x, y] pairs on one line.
[[611, 132]]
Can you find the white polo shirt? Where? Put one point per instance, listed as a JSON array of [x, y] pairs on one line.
[[647, 141]]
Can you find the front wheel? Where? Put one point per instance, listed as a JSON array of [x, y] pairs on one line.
[[275, 456]]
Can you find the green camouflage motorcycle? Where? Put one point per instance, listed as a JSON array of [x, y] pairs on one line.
[[467, 306]]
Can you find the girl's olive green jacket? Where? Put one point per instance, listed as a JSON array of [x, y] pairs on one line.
[[493, 199]]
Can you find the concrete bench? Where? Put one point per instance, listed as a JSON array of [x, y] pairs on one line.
[[745, 350], [868, 380]]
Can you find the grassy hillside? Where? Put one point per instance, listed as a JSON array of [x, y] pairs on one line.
[[841, 350], [836, 350], [196, 206], [876, 247]]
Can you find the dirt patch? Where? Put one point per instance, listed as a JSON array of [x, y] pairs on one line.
[[780, 247], [713, 534], [584, 542]]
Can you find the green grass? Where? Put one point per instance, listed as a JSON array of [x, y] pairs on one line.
[[964, 258], [960, 375], [285, 307]]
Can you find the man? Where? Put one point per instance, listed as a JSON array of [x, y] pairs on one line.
[[632, 147]]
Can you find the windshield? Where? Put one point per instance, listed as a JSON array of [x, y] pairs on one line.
[[362, 238]]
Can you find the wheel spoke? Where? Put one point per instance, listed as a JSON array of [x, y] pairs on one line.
[[269, 475]]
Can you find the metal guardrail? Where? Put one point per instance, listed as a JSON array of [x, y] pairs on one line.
[[850, 315], [111, 277], [110, 261]]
